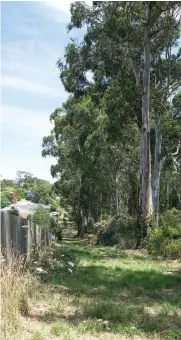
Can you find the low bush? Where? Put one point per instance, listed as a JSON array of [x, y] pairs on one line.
[[54, 205], [8, 195], [41, 257], [29, 195], [44, 220], [13, 212], [55, 228], [5, 202], [165, 239], [20, 192], [116, 230], [67, 257], [41, 217]]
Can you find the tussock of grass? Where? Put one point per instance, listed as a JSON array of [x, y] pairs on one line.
[[17, 286], [60, 329], [37, 336], [92, 326]]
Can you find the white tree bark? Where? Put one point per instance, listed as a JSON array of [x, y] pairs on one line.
[[117, 193], [145, 166], [157, 166]]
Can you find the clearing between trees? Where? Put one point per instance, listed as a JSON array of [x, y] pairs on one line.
[[108, 294]]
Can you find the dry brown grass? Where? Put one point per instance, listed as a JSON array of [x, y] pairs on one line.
[[17, 286]]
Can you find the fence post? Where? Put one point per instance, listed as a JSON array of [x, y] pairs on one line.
[[30, 238], [6, 226], [24, 237]]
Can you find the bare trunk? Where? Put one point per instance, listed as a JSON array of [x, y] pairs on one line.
[[115, 194], [79, 222], [168, 193], [145, 199], [116, 198], [85, 224], [157, 166]]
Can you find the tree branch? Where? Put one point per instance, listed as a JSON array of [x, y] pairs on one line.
[[177, 151], [162, 28]]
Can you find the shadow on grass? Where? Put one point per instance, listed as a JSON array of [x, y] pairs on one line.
[[110, 282], [132, 300], [83, 250]]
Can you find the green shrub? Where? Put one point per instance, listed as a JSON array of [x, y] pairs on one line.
[[20, 192], [173, 248], [54, 205], [55, 228], [165, 239], [67, 257], [13, 212], [8, 196], [117, 230], [41, 217], [5, 202]]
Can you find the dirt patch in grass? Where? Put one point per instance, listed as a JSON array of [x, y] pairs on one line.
[[138, 252]]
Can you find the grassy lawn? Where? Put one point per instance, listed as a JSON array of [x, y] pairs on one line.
[[111, 295]]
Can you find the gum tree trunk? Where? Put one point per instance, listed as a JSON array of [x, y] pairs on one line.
[[157, 166], [145, 199], [116, 196]]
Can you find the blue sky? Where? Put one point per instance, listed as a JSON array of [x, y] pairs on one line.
[[34, 36]]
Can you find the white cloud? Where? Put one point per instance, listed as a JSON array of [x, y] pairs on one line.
[[25, 60], [59, 12], [38, 166], [30, 49], [61, 6], [61, 9], [26, 85], [24, 153], [30, 123]]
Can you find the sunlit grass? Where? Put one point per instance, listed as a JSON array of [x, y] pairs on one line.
[[134, 293], [111, 294]]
